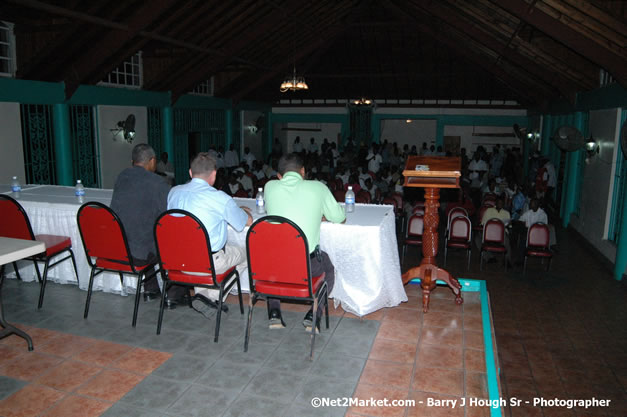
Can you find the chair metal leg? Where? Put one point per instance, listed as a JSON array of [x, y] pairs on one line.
[[121, 280], [137, 294], [250, 319], [326, 306], [78, 282], [548, 265], [525, 265], [239, 293], [313, 328], [219, 315], [89, 289], [445, 253], [37, 271], [17, 271], [469, 256], [162, 305], [505, 260], [42, 290]]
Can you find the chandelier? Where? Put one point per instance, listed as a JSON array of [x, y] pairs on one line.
[[362, 102], [293, 83]]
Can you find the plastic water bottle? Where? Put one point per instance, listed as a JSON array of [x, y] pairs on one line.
[[15, 187], [349, 200], [261, 204], [79, 191]]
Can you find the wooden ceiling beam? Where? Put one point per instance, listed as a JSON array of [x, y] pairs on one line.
[[91, 62], [452, 18], [615, 64]]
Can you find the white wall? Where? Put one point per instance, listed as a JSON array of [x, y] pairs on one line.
[[115, 155], [598, 182], [471, 136], [11, 149], [414, 133], [331, 131]]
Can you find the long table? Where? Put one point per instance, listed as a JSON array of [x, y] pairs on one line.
[[364, 250]]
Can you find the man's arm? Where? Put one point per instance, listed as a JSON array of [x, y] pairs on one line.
[[250, 216]]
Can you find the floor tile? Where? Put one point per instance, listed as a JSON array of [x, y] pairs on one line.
[[440, 356], [110, 385], [73, 405], [439, 319], [68, 375], [253, 406], [141, 361], [476, 385], [202, 401], [280, 386], [403, 315], [473, 339], [377, 392], [438, 380], [155, 393], [102, 353], [30, 401], [66, 345], [29, 366], [393, 351], [441, 336], [9, 385], [228, 375], [183, 368], [387, 374], [474, 360], [438, 407], [338, 366], [397, 330]]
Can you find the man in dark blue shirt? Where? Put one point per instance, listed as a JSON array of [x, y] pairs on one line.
[[139, 197]]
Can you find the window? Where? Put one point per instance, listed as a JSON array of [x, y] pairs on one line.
[[605, 78], [205, 88], [128, 74], [7, 50]]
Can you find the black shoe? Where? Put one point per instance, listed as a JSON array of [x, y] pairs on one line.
[[308, 328], [308, 320], [150, 295], [276, 321]]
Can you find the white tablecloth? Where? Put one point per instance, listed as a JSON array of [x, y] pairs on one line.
[[363, 250]]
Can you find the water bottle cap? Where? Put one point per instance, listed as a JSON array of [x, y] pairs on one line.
[[350, 187], [259, 189], [78, 182], [14, 178]]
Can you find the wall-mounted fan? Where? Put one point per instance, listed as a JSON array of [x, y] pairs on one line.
[[127, 127], [569, 138]]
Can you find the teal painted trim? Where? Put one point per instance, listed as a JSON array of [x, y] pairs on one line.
[[167, 130], [309, 118], [97, 137], [474, 285], [62, 144], [228, 114], [112, 96], [493, 386], [196, 101], [31, 92], [621, 248], [439, 134], [375, 129], [613, 95], [547, 134]]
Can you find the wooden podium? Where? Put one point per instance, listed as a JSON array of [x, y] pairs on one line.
[[443, 172]]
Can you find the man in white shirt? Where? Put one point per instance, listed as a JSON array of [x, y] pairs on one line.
[[248, 157], [374, 159], [477, 169], [231, 159], [298, 147], [313, 147], [497, 212], [534, 215]]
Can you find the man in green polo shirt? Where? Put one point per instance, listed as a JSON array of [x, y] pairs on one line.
[[306, 203]]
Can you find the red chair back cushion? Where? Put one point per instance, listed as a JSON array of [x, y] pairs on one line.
[[363, 197], [538, 235], [183, 244], [339, 195], [460, 228], [494, 231], [278, 253], [13, 220], [102, 233]]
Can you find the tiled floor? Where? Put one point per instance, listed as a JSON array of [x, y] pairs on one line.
[[560, 334]]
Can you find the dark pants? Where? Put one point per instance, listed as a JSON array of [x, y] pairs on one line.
[[151, 285], [318, 266]]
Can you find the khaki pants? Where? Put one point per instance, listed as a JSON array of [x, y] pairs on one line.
[[222, 261]]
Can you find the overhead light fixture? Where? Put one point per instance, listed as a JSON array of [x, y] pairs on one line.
[[408, 121], [293, 83], [362, 102], [126, 127]]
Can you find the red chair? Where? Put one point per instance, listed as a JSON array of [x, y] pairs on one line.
[[453, 213], [478, 227], [183, 245], [15, 224], [106, 249], [538, 244], [489, 199], [459, 237], [278, 267], [363, 197], [419, 210], [413, 236], [493, 240], [339, 195], [339, 184], [241, 193]]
